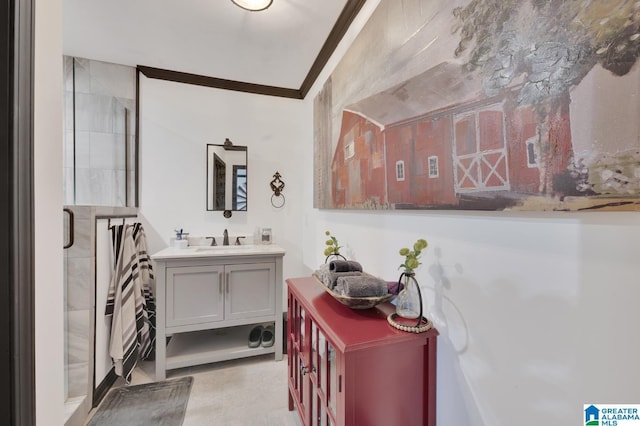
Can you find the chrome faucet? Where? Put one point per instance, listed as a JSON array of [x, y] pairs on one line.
[[225, 240]]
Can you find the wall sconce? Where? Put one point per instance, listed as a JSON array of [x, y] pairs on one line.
[[253, 5]]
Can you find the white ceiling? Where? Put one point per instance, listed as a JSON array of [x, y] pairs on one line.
[[214, 38]]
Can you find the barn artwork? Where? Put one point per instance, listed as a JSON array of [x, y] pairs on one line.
[[484, 105]]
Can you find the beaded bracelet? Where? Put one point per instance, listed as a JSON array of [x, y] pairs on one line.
[[425, 324]]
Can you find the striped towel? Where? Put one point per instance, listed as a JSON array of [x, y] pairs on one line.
[[128, 298], [147, 339]]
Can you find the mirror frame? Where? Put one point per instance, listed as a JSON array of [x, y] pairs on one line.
[[215, 154]]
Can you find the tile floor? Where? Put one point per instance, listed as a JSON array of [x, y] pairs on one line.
[[250, 391]]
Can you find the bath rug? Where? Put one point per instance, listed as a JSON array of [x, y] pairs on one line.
[[150, 404]]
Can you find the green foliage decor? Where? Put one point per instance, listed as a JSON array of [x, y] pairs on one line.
[[333, 248], [411, 261]]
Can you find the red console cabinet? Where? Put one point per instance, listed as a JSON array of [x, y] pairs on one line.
[[350, 367]]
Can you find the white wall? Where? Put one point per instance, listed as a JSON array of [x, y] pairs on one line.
[[48, 213], [177, 121], [537, 312]]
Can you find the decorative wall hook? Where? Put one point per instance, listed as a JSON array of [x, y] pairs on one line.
[[277, 185]]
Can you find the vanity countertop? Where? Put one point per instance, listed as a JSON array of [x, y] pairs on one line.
[[218, 251]]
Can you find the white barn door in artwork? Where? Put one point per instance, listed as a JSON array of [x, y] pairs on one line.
[[479, 150]]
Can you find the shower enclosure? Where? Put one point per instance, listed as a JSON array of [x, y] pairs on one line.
[[99, 173]]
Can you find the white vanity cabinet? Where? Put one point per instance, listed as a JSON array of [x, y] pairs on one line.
[[208, 300]]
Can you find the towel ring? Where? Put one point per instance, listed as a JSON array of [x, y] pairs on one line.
[[277, 185], [274, 201]]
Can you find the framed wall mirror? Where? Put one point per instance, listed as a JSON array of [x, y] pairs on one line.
[[226, 177]]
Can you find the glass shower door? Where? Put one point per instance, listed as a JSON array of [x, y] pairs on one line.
[[99, 139]]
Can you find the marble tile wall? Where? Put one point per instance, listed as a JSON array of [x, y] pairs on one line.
[[95, 161], [79, 267]]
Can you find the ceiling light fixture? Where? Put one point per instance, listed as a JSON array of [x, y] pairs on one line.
[[253, 5]]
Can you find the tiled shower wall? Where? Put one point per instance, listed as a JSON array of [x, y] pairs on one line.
[[99, 139], [79, 265]]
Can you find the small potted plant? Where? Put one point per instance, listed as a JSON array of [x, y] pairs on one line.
[[332, 248]]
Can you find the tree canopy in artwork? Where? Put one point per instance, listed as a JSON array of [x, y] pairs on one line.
[[549, 44]]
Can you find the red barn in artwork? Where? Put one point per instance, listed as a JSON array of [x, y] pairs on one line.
[[436, 142]]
